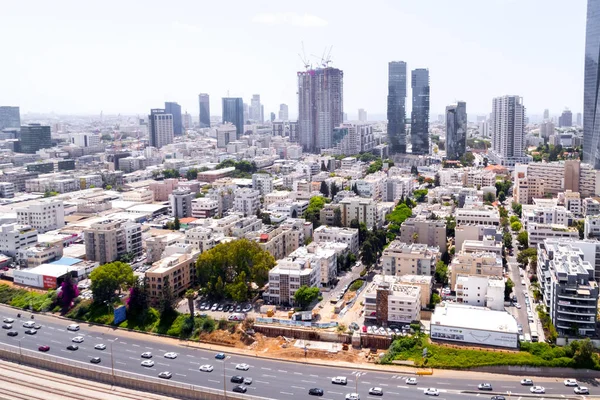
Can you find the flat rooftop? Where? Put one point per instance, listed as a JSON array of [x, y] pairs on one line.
[[472, 317]]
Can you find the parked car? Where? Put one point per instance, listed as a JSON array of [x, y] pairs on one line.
[[95, 360], [352, 396]]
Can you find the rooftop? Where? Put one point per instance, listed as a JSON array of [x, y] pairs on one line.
[[473, 317]]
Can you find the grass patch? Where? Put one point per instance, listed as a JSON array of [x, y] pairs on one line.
[[23, 299]]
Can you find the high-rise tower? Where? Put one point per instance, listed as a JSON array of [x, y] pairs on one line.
[[255, 110], [175, 110], [10, 117], [456, 130], [508, 137], [204, 100], [419, 120], [233, 112], [591, 87], [160, 127], [396, 106]]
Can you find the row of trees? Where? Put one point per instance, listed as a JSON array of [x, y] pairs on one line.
[[313, 211]]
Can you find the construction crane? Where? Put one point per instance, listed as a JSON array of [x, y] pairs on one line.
[[303, 58], [325, 59]]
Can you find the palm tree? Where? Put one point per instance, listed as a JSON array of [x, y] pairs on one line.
[[189, 295]]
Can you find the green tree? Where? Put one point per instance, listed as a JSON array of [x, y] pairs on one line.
[[137, 303], [508, 287], [420, 195], [313, 211], [170, 173], [108, 187], [435, 299], [450, 226], [580, 225], [368, 254], [190, 294], [517, 208], [324, 189], [238, 290], [337, 217], [513, 218], [109, 278], [489, 197], [485, 162], [176, 224], [166, 298], [523, 239], [507, 239], [305, 295], [436, 180], [191, 174], [516, 226], [375, 166], [399, 215], [501, 197], [441, 273], [503, 212]]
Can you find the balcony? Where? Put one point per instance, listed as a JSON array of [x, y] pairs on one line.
[[575, 297], [577, 320]]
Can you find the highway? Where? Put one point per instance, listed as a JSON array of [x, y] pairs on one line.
[[272, 379]]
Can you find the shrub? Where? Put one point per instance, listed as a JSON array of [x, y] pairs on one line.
[[356, 285]]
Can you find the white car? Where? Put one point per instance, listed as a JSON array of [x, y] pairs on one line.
[[571, 382], [339, 380], [73, 327], [537, 389], [243, 367], [146, 354], [352, 396], [8, 320], [77, 339], [248, 381], [28, 324], [171, 355], [376, 391], [526, 382], [432, 392], [411, 381], [581, 390], [100, 346], [206, 368], [147, 363]]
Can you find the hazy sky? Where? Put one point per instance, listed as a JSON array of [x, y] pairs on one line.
[[129, 56]]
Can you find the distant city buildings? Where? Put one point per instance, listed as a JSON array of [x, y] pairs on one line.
[[419, 128], [10, 117], [591, 86], [283, 112], [456, 130], [233, 112], [362, 115], [204, 102], [175, 110], [34, 137], [396, 107], [508, 123], [160, 128], [256, 110], [565, 119]]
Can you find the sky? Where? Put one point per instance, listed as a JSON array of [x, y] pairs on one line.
[[126, 57]]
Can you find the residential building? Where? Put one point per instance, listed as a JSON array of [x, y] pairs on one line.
[[397, 187], [482, 291], [263, 183], [353, 138], [156, 245], [362, 115], [372, 185], [281, 240], [478, 215], [542, 214], [224, 196], [176, 271], [108, 240], [204, 208], [528, 188], [38, 254], [422, 281], [283, 112], [175, 110], [160, 127], [389, 302], [225, 134], [34, 137], [571, 201], [288, 276], [289, 208], [508, 123], [201, 238], [162, 190], [456, 130], [477, 233], [546, 130], [144, 196], [571, 175], [360, 209], [475, 264], [10, 117], [590, 206], [233, 113], [213, 175], [14, 237], [247, 201], [565, 119], [348, 236], [396, 107], [276, 197], [180, 202], [419, 127], [569, 290], [320, 106], [43, 216], [204, 100], [85, 139], [538, 232], [475, 177], [322, 259], [424, 231], [409, 259], [7, 190]]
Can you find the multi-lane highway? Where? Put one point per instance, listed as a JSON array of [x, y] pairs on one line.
[[272, 379]]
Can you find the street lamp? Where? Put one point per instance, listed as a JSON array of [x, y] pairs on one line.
[[224, 381], [358, 375], [20, 353]]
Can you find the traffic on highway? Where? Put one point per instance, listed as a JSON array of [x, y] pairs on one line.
[[103, 347]]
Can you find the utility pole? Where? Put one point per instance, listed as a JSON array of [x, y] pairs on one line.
[[112, 362], [224, 381]]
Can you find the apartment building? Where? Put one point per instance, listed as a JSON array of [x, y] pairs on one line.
[[422, 281], [108, 240], [474, 177], [528, 188], [409, 259], [144, 196], [397, 187], [320, 258], [7, 190], [204, 208], [569, 290], [15, 236], [277, 196], [38, 254], [234, 224], [538, 232], [360, 209], [565, 175], [180, 202], [424, 231], [288, 276], [263, 183], [289, 208], [43, 216], [372, 185], [176, 271], [478, 236], [475, 264], [483, 291], [388, 302], [247, 201], [590, 206], [163, 189], [555, 214], [478, 215], [348, 236], [572, 201], [156, 245], [327, 214], [280, 241], [224, 196], [201, 238]]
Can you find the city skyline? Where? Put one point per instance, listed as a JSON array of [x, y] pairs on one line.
[[521, 63]]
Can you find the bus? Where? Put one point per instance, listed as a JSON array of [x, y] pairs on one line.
[[534, 332]]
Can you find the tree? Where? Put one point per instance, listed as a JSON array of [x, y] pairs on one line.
[[516, 226], [337, 217], [508, 287], [137, 303], [238, 290], [266, 217], [368, 254], [503, 212], [68, 292], [108, 187], [489, 197], [108, 278], [420, 195], [434, 300], [190, 294], [170, 173], [441, 273], [305, 295], [355, 189], [517, 208], [501, 197], [415, 237], [334, 190], [363, 231], [324, 189], [400, 214], [166, 298], [513, 218], [485, 162], [375, 166], [584, 353], [323, 167], [176, 224], [191, 174], [436, 180], [313, 212], [580, 225], [523, 239], [507, 239], [450, 226]]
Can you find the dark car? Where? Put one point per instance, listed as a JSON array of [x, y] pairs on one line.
[[315, 392], [72, 347], [44, 348], [95, 360], [12, 333], [237, 379], [31, 331], [240, 389], [498, 398], [220, 356]]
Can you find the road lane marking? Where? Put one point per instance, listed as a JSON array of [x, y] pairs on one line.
[[135, 345], [189, 355], [180, 374], [55, 341], [335, 392], [269, 376], [123, 342], [159, 363], [212, 380], [287, 393], [314, 376], [119, 362], [268, 369], [133, 358], [164, 351], [130, 351], [282, 371], [403, 387], [266, 383], [297, 373], [392, 393], [149, 348], [298, 387], [308, 381]]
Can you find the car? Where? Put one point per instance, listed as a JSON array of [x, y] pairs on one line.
[[239, 389], [220, 356], [411, 381], [376, 391], [100, 346], [498, 398], [247, 308], [7, 326], [30, 331], [72, 347], [352, 396], [581, 390], [571, 382], [206, 368], [147, 363], [214, 307], [77, 339], [95, 360], [37, 326], [339, 380], [431, 392], [172, 355], [28, 324], [484, 386], [243, 367], [526, 382], [537, 389], [220, 308], [247, 381], [73, 327], [44, 348], [315, 392], [12, 333], [8, 320], [517, 305], [146, 354], [165, 375], [238, 309]]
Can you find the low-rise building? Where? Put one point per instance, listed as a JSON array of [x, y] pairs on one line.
[[538, 232], [15, 236], [176, 271], [204, 208], [474, 215], [144, 196], [288, 276], [482, 291], [263, 183], [528, 188], [348, 236], [388, 302], [201, 238], [7, 190], [360, 209], [424, 231], [156, 245], [43, 216], [422, 281], [322, 259], [471, 264], [163, 189], [409, 259], [590, 206], [39, 254], [107, 241], [247, 201]]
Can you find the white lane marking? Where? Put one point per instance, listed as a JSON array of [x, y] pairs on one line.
[[383, 384], [212, 380], [55, 341], [123, 342], [282, 371], [297, 373], [403, 387], [98, 337], [266, 383], [119, 362], [180, 374], [268, 369], [189, 355], [135, 345], [298, 387], [287, 393], [159, 363], [314, 376], [149, 348], [269, 376], [445, 383], [130, 351], [133, 358], [308, 381], [194, 362], [164, 351], [335, 392], [392, 393]]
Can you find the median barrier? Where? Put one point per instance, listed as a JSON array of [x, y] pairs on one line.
[[548, 372], [519, 395]]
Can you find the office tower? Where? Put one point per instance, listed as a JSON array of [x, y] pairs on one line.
[[246, 113], [508, 122], [34, 137], [565, 119], [320, 106], [9, 117], [546, 114], [160, 128], [233, 112], [579, 119], [546, 130], [204, 100], [262, 113], [362, 114], [175, 110], [396, 107], [484, 128], [272, 116], [419, 125], [591, 86], [186, 120], [255, 110], [283, 112], [456, 130]]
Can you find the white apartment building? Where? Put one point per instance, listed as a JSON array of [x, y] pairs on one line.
[[204, 208], [409, 259], [44, 216], [557, 215], [90, 181], [322, 259], [224, 196], [388, 302], [422, 281], [263, 183], [591, 228], [7, 190], [247, 201], [160, 128], [201, 238], [372, 185], [571, 175], [475, 215], [348, 236], [590, 206], [14, 237], [473, 264], [425, 231], [538, 232], [571, 201], [225, 134], [397, 187], [483, 291], [277, 196], [508, 123], [474, 177], [84, 139], [144, 196], [451, 177], [528, 188], [289, 208], [180, 202], [288, 276], [360, 209]]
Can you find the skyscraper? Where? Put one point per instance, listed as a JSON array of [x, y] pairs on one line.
[[456, 130], [283, 112], [233, 112], [508, 122], [160, 128], [34, 137], [419, 125], [175, 110], [320, 106], [546, 114], [272, 116], [9, 117], [204, 100], [396, 107], [362, 114], [591, 86], [579, 119], [565, 119], [255, 110]]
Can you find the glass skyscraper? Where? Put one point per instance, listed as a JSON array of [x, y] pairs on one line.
[[204, 100], [34, 137], [233, 112], [591, 98], [456, 130], [396, 107], [419, 121], [10, 117], [175, 110]]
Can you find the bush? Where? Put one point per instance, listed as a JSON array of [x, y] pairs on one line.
[[363, 273], [356, 285]]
